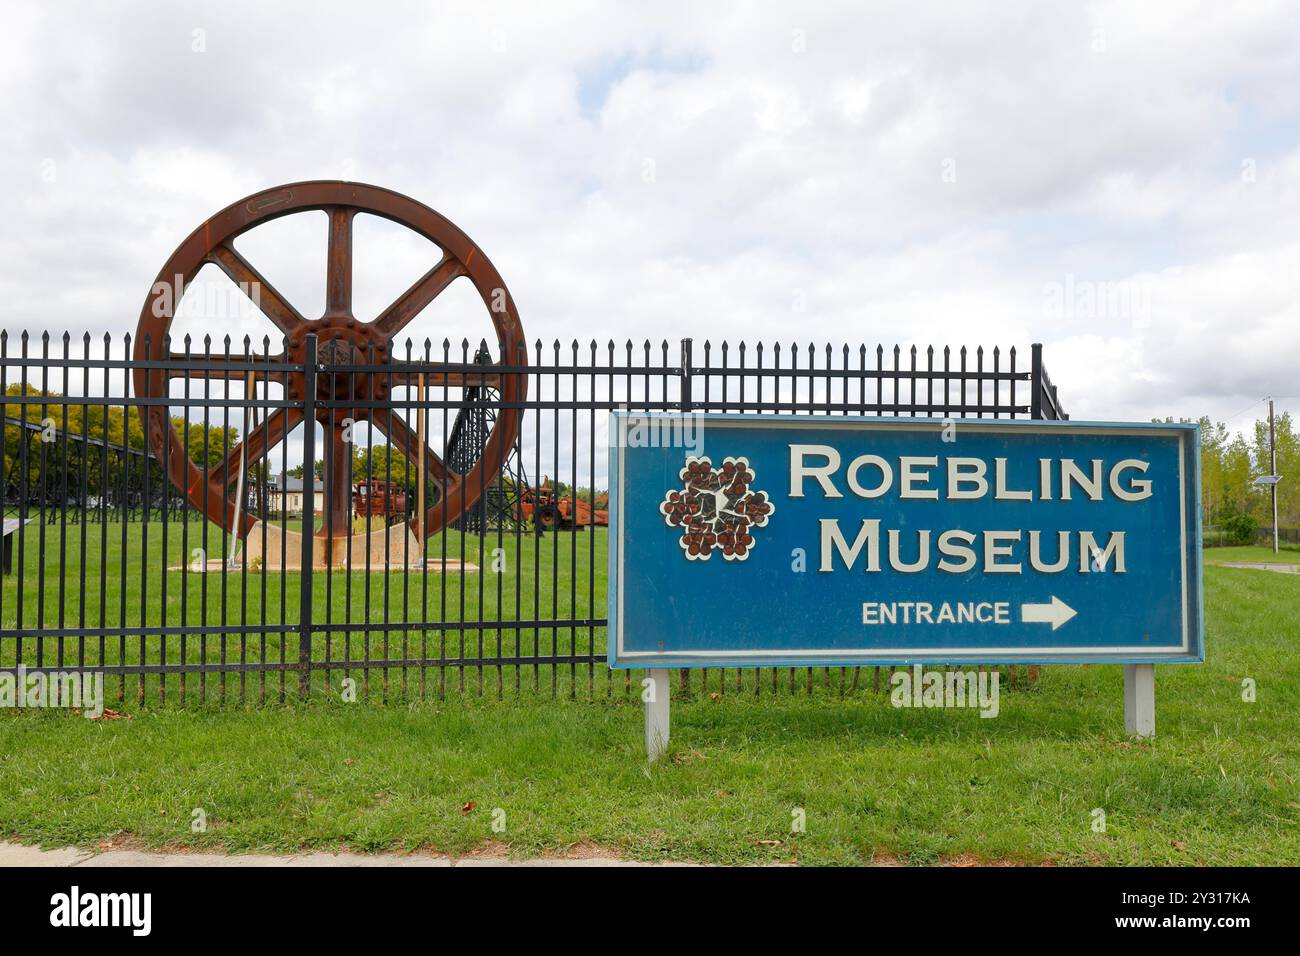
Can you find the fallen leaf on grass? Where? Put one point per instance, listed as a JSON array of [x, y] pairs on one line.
[[467, 808], [110, 714], [769, 842], [1178, 844]]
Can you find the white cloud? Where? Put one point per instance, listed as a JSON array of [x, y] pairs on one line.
[[794, 154]]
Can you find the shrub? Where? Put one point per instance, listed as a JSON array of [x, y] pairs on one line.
[[1240, 528]]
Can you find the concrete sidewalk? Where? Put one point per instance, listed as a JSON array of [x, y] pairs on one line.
[[1261, 566], [14, 854]]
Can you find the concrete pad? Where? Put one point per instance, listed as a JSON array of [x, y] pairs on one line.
[[370, 859], [14, 854], [386, 547], [142, 859], [548, 861]]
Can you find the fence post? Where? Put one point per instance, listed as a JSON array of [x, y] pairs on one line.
[[308, 516], [684, 402], [1036, 380]]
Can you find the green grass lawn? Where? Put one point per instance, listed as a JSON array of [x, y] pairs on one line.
[[133, 577], [1220, 784]]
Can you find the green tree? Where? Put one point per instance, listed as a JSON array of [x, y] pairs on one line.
[[383, 463], [219, 441], [66, 456]]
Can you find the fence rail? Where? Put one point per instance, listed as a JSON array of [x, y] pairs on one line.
[[110, 569], [1264, 535]]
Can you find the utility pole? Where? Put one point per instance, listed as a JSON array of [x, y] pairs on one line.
[[1272, 468]]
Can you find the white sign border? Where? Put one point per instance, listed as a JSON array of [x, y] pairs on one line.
[[618, 433]]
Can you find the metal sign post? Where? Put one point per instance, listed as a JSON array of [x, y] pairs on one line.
[[656, 698], [1140, 700], [763, 540]]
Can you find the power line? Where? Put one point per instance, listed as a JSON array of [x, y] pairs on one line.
[[1260, 401]]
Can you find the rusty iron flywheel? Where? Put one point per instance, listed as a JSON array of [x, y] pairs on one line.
[[343, 338]]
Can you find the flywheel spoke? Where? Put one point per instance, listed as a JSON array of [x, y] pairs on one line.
[[255, 445], [275, 306], [209, 366], [409, 304], [338, 278], [401, 435]]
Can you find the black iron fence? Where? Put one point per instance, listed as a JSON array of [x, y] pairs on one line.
[[1215, 536], [254, 580], [1289, 536]]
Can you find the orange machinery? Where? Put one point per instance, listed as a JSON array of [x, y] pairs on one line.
[[379, 499], [546, 509]]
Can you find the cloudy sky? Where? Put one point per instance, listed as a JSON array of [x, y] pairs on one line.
[[1118, 181]]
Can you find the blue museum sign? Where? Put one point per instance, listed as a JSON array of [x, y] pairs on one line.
[[742, 540]]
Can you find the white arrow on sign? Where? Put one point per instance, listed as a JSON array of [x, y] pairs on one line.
[[1055, 613]]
